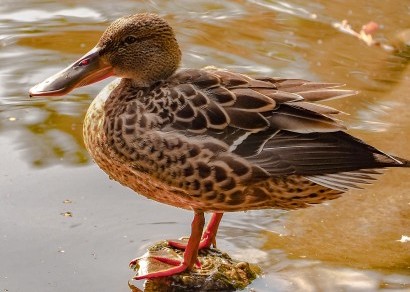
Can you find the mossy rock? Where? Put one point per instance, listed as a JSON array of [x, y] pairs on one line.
[[218, 272]]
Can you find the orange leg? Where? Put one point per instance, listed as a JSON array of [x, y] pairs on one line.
[[208, 237], [190, 254]]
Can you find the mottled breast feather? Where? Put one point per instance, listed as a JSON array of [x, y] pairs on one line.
[[228, 140]]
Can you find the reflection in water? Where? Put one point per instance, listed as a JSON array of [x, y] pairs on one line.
[[325, 248], [49, 134]]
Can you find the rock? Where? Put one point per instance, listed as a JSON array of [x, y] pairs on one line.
[[218, 272]]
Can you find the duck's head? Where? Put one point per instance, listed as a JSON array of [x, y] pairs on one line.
[[140, 47]]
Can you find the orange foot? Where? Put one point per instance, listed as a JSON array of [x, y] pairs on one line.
[[180, 266], [195, 242]]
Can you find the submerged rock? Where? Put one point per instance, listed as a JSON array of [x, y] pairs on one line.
[[218, 272]]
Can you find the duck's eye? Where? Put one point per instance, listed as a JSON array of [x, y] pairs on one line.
[[130, 39]]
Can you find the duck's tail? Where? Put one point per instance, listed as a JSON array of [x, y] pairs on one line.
[[401, 162]]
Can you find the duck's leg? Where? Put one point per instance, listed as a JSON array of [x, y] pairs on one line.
[[208, 237], [190, 253]]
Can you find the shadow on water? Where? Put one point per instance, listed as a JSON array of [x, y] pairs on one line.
[[359, 242]]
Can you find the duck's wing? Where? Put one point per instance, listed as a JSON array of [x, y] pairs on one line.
[[270, 126], [212, 100]]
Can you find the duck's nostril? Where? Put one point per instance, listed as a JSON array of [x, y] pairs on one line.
[[84, 62]]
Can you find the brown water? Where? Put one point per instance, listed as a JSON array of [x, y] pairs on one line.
[[356, 243]]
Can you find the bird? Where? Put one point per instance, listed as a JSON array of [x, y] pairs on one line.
[[210, 140]]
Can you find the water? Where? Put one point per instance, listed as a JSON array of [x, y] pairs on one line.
[[356, 243]]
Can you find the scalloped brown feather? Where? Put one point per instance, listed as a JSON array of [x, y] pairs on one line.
[[209, 139]]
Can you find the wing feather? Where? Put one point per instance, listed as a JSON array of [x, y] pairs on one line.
[[297, 119], [343, 181], [273, 125]]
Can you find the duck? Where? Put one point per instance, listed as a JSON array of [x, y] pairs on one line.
[[210, 140]]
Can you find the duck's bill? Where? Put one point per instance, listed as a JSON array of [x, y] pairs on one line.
[[88, 69]]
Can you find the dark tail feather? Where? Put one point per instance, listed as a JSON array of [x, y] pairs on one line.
[[401, 162]]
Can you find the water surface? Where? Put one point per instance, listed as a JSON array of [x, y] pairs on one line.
[[64, 226]]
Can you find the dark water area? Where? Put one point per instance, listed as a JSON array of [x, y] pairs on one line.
[[64, 226]]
